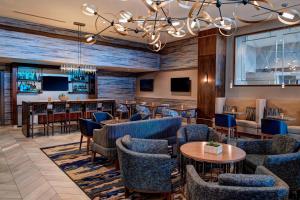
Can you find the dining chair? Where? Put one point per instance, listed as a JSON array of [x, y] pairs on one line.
[[166, 112], [226, 122], [39, 110], [87, 127], [101, 116]]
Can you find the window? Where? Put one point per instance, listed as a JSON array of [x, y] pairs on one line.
[[269, 58]]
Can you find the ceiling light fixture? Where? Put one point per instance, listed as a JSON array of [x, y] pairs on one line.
[[158, 22]]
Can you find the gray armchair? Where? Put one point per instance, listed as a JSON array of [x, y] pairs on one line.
[[145, 165], [286, 167], [197, 132], [263, 185], [259, 150]]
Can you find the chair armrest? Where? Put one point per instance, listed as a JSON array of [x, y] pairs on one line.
[[286, 167], [255, 146], [181, 137], [100, 137], [92, 126]]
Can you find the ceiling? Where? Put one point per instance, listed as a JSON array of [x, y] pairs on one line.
[[62, 13]]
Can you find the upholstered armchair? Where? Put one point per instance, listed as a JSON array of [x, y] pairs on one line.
[[258, 151], [286, 167], [143, 110], [145, 165], [262, 185], [197, 132], [166, 112], [101, 116]]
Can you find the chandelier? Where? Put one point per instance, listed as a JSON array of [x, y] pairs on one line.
[[78, 68], [158, 22]]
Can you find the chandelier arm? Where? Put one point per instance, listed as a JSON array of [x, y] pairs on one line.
[[200, 7], [220, 12], [167, 18], [263, 7], [95, 24], [103, 18], [155, 22], [103, 30]]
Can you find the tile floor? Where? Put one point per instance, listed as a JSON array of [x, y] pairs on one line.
[[27, 173]]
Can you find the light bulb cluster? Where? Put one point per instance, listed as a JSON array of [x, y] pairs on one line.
[[157, 22]]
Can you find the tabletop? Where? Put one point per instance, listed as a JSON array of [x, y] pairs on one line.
[[183, 108], [234, 113], [195, 151], [283, 118]]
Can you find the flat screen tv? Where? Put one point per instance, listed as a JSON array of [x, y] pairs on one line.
[[55, 83], [146, 85], [181, 84]]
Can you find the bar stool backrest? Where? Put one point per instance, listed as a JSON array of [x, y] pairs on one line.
[[39, 108], [75, 107], [91, 106], [59, 107]]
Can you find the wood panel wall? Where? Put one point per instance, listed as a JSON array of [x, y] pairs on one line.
[[118, 86], [211, 73], [7, 98], [181, 54], [37, 48]]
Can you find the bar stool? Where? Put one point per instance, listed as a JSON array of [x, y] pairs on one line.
[[57, 112], [74, 112], [90, 108], [38, 110], [122, 109], [270, 127], [226, 122]]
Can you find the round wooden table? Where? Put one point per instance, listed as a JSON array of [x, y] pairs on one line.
[[225, 160]]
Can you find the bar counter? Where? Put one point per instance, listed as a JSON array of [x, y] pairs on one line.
[[27, 107]]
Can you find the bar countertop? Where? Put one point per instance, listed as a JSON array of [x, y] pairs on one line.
[[81, 100]]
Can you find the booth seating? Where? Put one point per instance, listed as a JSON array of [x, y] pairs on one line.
[[250, 121]]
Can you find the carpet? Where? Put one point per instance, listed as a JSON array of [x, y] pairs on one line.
[[99, 180]]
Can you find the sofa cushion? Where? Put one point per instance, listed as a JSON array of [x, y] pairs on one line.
[[282, 144], [247, 180], [196, 132], [127, 141], [254, 160], [247, 123]]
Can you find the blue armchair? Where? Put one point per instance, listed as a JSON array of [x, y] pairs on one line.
[[143, 110], [145, 165], [101, 116], [260, 150], [87, 127], [138, 116], [166, 112], [263, 185], [286, 167], [273, 127], [227, 122]]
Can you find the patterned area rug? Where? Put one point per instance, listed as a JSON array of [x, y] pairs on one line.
[[99, 180]]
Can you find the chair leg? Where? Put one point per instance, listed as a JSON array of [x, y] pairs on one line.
[[32, 117], [168, 195], [93, 156], [88, 145], [81, 137], [127, 192]]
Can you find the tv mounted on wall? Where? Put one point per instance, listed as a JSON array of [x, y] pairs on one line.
[[180, 84], [55, 83], [146, 85]]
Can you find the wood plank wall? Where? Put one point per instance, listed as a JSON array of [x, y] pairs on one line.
[[7, 98], [17, 45], [181, 54], [116, 85]]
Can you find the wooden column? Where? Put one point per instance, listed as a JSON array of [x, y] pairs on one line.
[[211, 73]]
